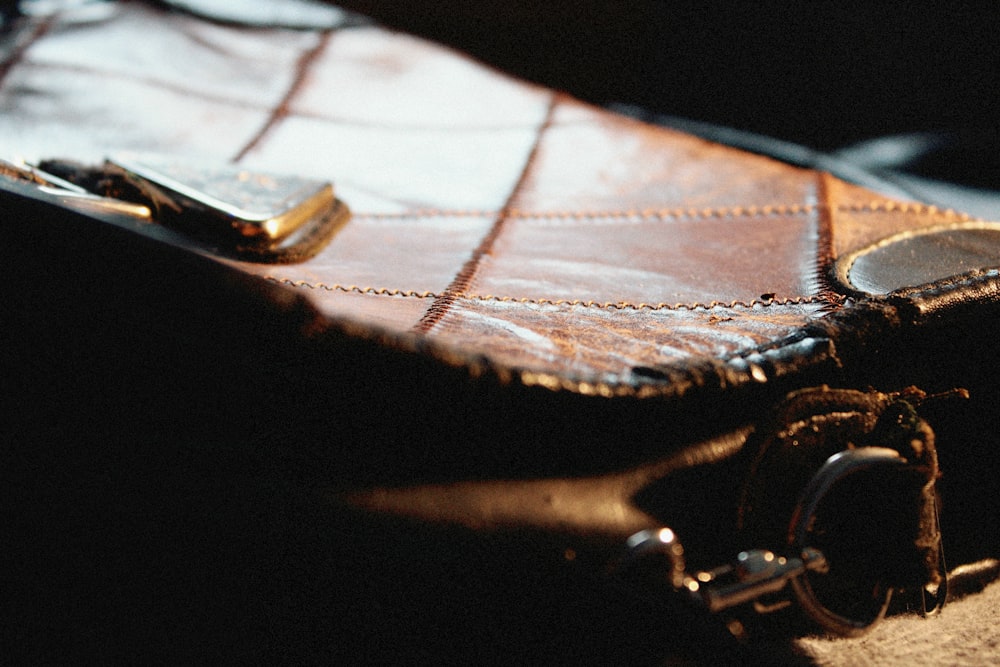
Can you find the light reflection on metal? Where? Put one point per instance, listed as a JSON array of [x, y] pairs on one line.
[[87, 203], [837, 467], [649, 545], [228, 212], [69, 195], [759, 573], [258, 207]]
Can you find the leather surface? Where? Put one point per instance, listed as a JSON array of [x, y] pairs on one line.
[[492, 217], [919, 259]]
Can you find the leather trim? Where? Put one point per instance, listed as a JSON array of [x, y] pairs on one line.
[[979, 289], [921, 257]]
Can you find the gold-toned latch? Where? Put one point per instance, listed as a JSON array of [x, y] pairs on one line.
[[229, 211], [256, 208], [69, 194]]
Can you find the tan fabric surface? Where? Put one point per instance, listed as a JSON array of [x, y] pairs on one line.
[[966, 632]]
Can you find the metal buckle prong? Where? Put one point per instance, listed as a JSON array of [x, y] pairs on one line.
[[758, 573], [70, 195]]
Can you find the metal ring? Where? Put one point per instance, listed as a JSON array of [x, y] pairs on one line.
[[662, 542], [834, 470]]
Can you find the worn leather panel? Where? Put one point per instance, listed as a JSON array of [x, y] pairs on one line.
[[919, 259], [499, 219]]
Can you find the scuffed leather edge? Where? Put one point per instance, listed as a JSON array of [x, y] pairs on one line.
[[948, 297], [840, 271]]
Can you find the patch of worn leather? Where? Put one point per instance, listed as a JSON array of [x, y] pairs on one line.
[[922, 257]]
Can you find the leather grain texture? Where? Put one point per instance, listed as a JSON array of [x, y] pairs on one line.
[[490, 216], [545, 326]]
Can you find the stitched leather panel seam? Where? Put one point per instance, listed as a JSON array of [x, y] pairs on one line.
[[673, 214], [17, 54], [305, 62], [468, 272], [762, 364], [603, 305], [824, 238], [149, 81]]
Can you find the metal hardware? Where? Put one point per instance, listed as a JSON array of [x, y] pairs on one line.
[[757, 573], [230, 211], [838, 467], [70, 195], [258, 208], [753, 574]]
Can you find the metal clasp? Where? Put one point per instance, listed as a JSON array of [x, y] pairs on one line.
[[753, 573], [757, 573], [67, 194], [229, 211]]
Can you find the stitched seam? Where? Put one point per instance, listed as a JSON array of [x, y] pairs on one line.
[[280, 112], [778, 347], [887, 206], [824, 240], [396, 126], [601, 305], [467, 273], [17, 55], [149, 81], [671, 214], [939, 289]]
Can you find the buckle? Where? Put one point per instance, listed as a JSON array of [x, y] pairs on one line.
[[67, 194], [757, 576], [227, 211], [843, 490]]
